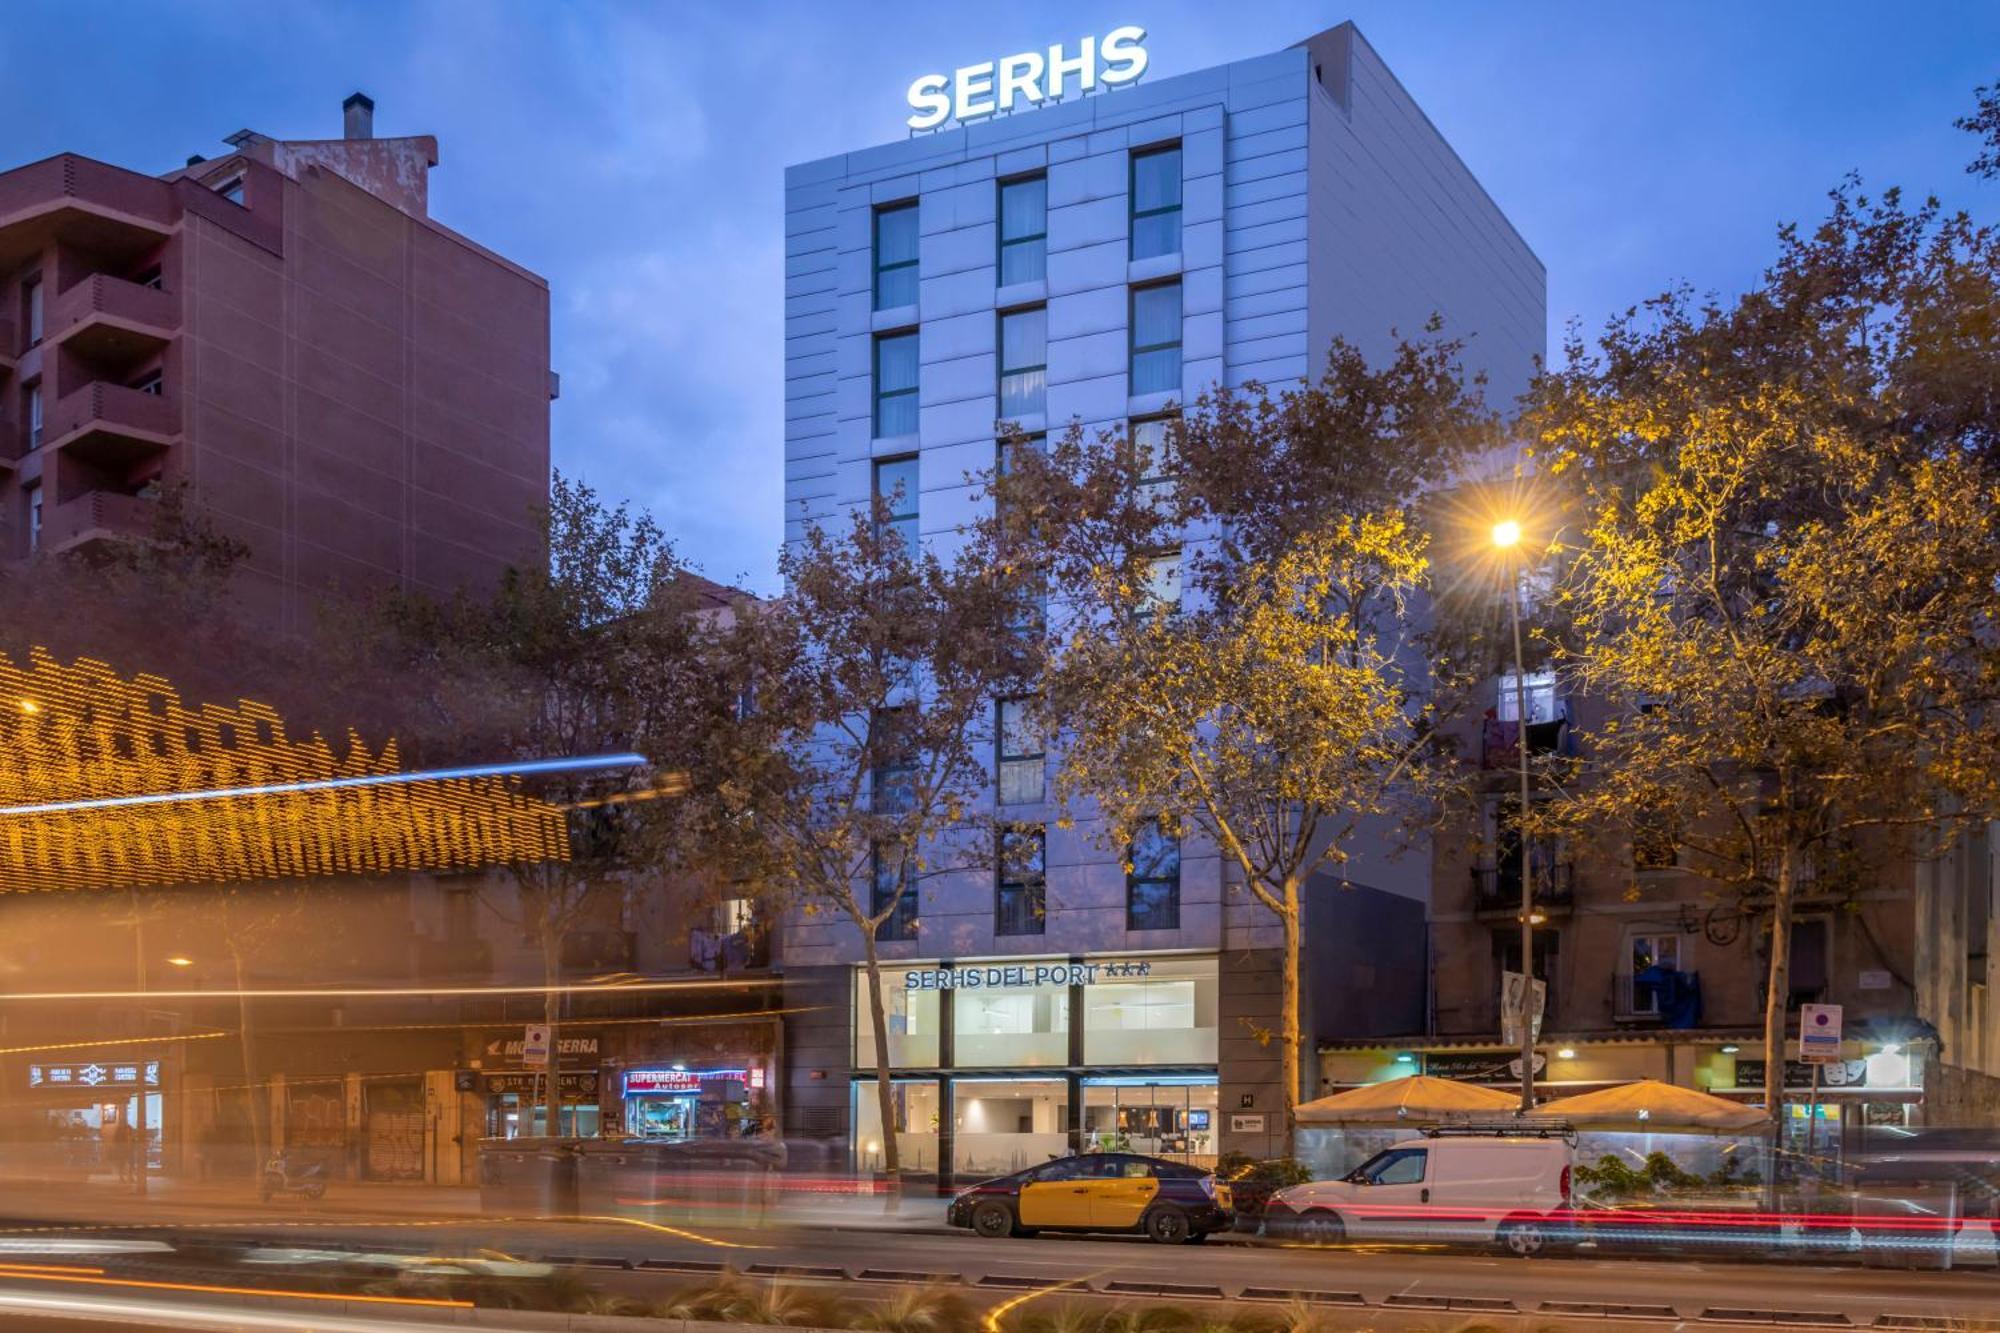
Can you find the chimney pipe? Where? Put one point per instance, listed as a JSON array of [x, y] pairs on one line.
[[358, 112]]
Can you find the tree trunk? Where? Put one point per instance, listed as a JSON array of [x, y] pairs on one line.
[[1777, 996], [254, 1092], [1288, 1014], [551, 1009], [885, 1098]]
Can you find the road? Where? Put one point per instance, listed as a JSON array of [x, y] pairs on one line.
[[648, 1258]]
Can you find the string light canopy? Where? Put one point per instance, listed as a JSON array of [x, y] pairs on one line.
[[113, 782]]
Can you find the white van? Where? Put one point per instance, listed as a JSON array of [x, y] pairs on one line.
[[1448, 1186]]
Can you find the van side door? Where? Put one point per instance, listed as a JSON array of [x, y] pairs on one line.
[[1393, 1197]]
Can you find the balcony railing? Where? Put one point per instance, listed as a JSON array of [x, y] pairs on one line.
[[97, 516], [104, 315], [111, 423], [1498, 888], [1497, 741], [599, 951]]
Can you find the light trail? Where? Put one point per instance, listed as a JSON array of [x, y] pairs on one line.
[[79, 1276], [990, 1321], [519, 768], [672, 1231], [390, 992], [112, 1041]]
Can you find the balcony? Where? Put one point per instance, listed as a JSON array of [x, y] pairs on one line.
[[1497, 742], [1496, 890], [97, 516], [10, 351], [13, 444], [111, 320], [109, 425], [98, 208], [737, 951]]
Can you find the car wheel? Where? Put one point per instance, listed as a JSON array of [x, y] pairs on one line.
[[1321, 1227], [1168, 1226], [993, 1220], [1524, 1239]]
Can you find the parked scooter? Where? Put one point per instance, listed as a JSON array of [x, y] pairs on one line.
[[282, 1176]]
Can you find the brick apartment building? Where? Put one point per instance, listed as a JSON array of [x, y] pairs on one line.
[[356, 391]]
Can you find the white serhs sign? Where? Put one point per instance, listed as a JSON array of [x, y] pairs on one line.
[[1819, 1033], [994, 87]]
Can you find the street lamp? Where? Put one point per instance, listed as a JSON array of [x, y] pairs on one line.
[[1507, 537]]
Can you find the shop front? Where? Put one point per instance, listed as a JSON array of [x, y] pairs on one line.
[[681, 1103], [1005, 1063], [90, 1116]]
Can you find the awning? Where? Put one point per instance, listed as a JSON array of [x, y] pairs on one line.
[[1398, 1100], [1650, 1106]]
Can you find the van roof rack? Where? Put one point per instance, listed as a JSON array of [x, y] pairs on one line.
[[1511, 1126]]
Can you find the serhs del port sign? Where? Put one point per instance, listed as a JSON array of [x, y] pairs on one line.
[[994, 87]]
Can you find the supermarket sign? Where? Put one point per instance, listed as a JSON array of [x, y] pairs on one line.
[[640, 1081]]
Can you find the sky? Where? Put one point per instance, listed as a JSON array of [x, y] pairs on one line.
[[633, 153]]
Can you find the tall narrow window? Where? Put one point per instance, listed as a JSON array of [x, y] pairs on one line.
[[891, 871], [1021, 904], [896, 385], [1021, 753], [1540, 687], [1154, 456], [32, 289], [35, 517], [34, 411], [1028, 616], [896, 490], [1024, 230], [1024, 363], [1153, 885], [895, 256], [1160, 585], [1156, 338], [1156, 202]]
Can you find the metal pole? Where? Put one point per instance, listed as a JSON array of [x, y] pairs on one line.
[[139, 966], [1525, 1014]]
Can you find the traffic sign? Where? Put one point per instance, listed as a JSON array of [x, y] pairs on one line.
[[535, 1045], [1819, 1033]]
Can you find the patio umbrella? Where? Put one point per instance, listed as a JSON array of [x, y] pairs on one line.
[[1653, 1107], [1416, 1098]]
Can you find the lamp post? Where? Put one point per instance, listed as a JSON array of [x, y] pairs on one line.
[[1507, 538]]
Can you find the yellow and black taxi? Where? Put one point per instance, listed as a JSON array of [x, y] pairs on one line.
[[1170, 1202]]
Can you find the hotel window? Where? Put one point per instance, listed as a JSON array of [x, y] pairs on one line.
[[1156, 338], [32, 291], [1024, 230], [1021, 902], [895, 256], [896, 385], [1022, 753], [1156, 202], [232, 190], [1153, 884], [1160, 585], [34, 413], [1029, 616], [1024, 363], [1157, 461], [891, 781], [891, 866], [34, 517], [914, 1022], [896, 489], [1163, 1011]]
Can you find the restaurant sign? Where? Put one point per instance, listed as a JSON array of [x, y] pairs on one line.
[[575, 1086], [1020, 974], [92, 1074], [1832, 1075]]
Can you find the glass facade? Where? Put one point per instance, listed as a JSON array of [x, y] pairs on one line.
[[1002, 1125], [1011, 1027], [916, 1107], [913, 1020], [1175, 1118], [1167, 1017]]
